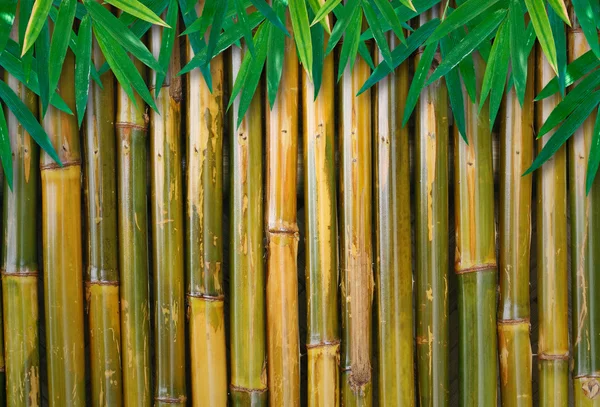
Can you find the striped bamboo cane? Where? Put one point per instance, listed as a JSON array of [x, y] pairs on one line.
[[132, 150], [475, 261], [62, 265], [553, 341], [585, 250], [393, 240], [356, 256], [102, 277], [247, 281], [283, 337], [204, 236], [323, 340], [431, 239], [167, 233], [20, 262], [516, 154]]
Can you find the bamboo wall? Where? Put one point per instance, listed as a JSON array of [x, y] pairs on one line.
[[166, 153]]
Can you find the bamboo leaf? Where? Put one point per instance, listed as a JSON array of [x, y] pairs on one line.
[[455, 93], [8, 10], [27, 120], [468, 44], [560, 40], [350, 45], [121, 34], [543, 31], [500, 72], [122, 66], [378, 33], [137, 9], [38, 17], [5, 150], [196, 42], [466, 67], [203, 22], [575, 71], [301, 26], [245, 25], [325, 10], [572, 100], [518, 56], [42, 52], [215, 31], [83, 67], [276, 55], [25, 10], [270, 15], [461, 16], [566, 130], [560, 9], [315, 6], [60, 40], [318, 57], [166, 46], [585, 15], [594, 160], [401, 53], [418, 81], [389, 15], [340, 27]]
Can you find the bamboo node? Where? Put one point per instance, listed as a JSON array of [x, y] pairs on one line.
[[102, 282], [240, 389], [125, 125], [323, 344], [171, 400], [56, 166], [476, 268], [590, 387], [16, 271], [546, 356], [206, 297], [513, 321]]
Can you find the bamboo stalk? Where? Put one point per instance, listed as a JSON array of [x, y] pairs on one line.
[[553, 340], [131, 129], [102, 277], [323, 340], [61, 234], [283, 337], [431, 239], [204, 236], [20, 262], [393, 240], [516, 155], [248, 340], [475, 261], [585, 249], [167, 233], [355, 238]]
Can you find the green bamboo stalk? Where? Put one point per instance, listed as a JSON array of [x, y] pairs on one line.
[[475, 261], [131, 128], [62, 265], [102, 277], [355, 239], [20, 262], [283, 336], [585, 250], [247, 279], [323, 339], [393, 240], [516, 155], [431, 239], [551, 231], [167, 233], [204, 236]]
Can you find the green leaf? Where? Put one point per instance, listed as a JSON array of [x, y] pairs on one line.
[[166, 46], [325, 10], [418, 81], [25, 10], [566, 130], [342, 23], [455, 93], [8, 9], [215, 31], [196, 42], [560, 40], [83, 67], [39, 14], [318, 35], [466, 67], [121, 34], [137, 9], [543, 31], [301, 27], [498, 81], [518, 55], [27, 120], [574, 98], [560, 9], [203, 22], [350, 45], [401, 53], [60, 40], [461, 16], [122, 66], [468, 44], [389, 15], [594, 160], [378, 33], [243, 21], [42, 52], [315, 6], [276, 56], [5, 150], [267, 11], [585, 15], [575, 71]]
